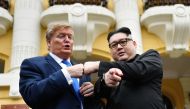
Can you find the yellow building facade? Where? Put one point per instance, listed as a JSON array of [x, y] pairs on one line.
[[163, 26]]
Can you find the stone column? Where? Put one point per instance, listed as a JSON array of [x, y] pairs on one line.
[[127, 15], [26, 36], [26, 30]]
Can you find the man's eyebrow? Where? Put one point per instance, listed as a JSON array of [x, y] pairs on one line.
[[120, 40]]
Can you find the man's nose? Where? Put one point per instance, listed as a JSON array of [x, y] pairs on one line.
[[119, 45], [66, 38]]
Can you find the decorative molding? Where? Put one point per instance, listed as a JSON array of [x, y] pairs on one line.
[[22, 51], [6, 21], [11, 79], [87, 21], [171, 24]]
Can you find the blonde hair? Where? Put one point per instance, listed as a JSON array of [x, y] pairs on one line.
[[52, 29]]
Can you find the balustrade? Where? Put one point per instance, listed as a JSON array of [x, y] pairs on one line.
[[152, 3], [84, 2]]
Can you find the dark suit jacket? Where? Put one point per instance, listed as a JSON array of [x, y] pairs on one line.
[[140, 87], [43, 85]]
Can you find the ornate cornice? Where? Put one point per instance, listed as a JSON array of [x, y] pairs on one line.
[[171, 24], [88, 23], [6, 21]]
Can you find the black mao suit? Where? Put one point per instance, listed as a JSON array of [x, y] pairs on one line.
[[140, 87]]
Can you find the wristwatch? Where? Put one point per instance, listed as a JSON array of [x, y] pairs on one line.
[[103, 78]]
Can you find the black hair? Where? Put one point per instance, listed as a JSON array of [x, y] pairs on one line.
[[124, 30]]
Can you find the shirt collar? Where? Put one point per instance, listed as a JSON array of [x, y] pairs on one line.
[[56, 58]]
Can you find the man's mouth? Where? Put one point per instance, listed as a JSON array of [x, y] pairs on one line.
[[66, 46], [121, 53]]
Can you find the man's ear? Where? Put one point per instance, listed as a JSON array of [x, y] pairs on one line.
[[135, 44], [48, 44]]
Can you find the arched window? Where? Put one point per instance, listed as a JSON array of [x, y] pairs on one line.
[[2, 65], [167, 103]]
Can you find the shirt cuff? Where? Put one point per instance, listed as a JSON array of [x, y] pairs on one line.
[[67, 76]]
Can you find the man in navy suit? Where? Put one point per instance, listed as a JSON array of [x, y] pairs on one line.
[[46, 82]]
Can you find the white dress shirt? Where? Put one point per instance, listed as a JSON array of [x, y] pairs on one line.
[[64, 68]]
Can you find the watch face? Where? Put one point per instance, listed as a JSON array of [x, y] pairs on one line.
[[103, 78]]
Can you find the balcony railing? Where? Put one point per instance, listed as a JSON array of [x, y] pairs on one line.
[[152, 3], [4, 4], [84, 2]]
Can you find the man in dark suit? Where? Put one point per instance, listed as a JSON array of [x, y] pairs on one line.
[[52, 81], [131, 82]]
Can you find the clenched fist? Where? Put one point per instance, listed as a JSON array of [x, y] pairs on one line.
[[76, 70]]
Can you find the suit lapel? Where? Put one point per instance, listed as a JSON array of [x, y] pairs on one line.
[[56, 66], [52, 62]]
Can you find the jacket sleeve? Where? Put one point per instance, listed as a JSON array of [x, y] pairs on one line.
[[144, 68], [101, 90], [38, 87]]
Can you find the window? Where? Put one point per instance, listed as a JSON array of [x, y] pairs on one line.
[[2, 65]]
